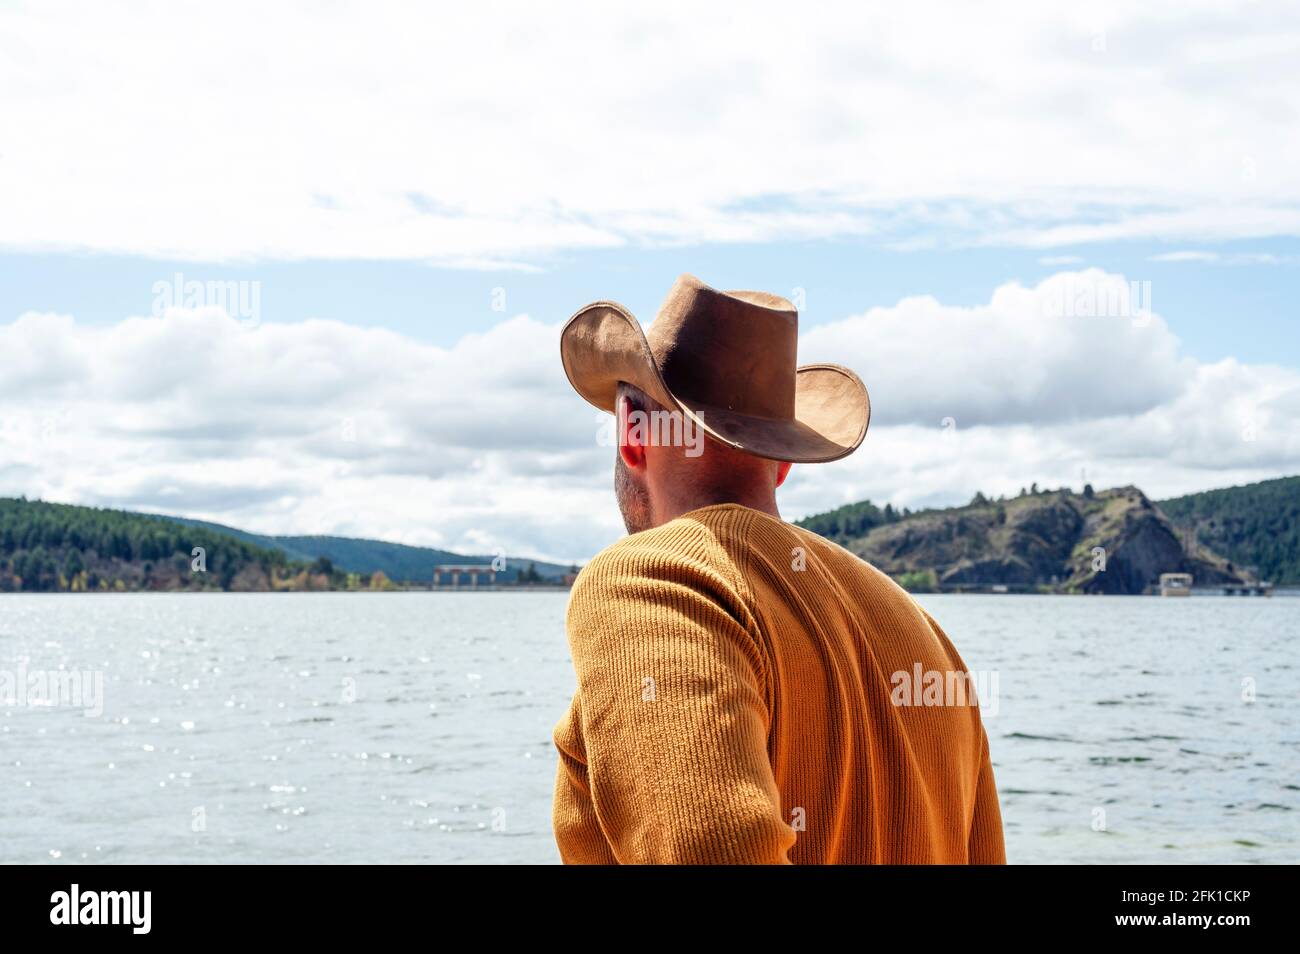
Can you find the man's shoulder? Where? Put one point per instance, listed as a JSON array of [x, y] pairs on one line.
[[680, 566], [724, 547], [725, 537], [846, 561], [694, 543]]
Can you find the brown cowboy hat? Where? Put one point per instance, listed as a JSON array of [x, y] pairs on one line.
[[726, 360]]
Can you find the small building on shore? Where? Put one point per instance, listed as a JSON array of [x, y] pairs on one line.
[[455, 576]]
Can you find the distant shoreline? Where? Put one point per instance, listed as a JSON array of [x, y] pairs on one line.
[[1282, 591]]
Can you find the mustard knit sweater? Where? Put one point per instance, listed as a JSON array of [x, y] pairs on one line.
[[738, 702]]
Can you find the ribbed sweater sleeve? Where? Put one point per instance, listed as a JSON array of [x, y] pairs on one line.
[[666, 760], [986, 845]]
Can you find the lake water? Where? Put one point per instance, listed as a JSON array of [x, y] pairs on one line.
[[417, 727]]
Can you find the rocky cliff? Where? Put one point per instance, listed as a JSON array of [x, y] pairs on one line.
[[1112, 541]]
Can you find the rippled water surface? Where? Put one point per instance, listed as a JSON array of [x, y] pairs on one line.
[[416, 727]]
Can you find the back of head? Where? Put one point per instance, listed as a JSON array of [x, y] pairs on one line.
[[683, 467]]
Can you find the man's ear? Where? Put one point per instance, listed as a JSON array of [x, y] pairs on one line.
[[782, 471], [631, 435]]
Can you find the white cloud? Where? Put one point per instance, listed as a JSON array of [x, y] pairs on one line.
[[494, 134], [1187, 255], [1079, 345], [1218, 258], [313, 427], [324, 427]]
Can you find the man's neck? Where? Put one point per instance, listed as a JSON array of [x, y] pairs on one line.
[[672, 509]]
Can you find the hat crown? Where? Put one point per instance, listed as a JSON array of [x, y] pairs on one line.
[[725, 360], [734, 350]]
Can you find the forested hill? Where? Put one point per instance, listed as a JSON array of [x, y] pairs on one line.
[[1050, 540], [398, 561], [46, 546], [59, 547], [1255, 525]]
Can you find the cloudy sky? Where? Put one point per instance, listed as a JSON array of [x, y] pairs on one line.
[[1059, 243]]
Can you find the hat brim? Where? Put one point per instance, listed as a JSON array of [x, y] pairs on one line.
[[603, 344]]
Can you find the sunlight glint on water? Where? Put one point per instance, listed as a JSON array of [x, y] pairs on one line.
[[231, 714]]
